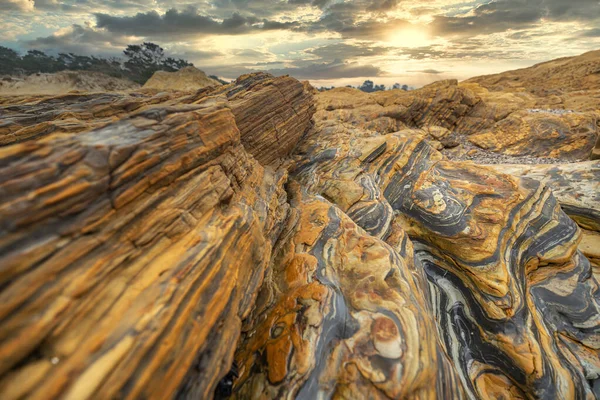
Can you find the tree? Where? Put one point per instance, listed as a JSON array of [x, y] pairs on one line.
[[10, 61], [145, 54], [404, 87], [145, 59], [142, 61], [37, 61], [367, 86]]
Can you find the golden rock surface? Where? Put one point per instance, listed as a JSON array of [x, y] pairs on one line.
[[186, 79], [515, 113], [254, 240], [132, 251], [577, 188]]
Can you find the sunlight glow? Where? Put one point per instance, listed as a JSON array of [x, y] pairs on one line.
[[409, 37]]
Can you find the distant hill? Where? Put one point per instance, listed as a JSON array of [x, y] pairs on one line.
[[63, 82], [561, 75]]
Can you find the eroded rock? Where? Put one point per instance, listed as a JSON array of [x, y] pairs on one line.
[[148, 240], [132, 252]]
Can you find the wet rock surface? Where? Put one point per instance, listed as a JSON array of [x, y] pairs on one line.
[[255, 240]]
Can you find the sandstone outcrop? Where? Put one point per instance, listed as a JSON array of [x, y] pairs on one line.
[[269, 112], [505, 121], [63, 82], [186, 79], [131, 252], [253, 240], [563, 75]]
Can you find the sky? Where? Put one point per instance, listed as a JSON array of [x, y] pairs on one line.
[[328, 42]]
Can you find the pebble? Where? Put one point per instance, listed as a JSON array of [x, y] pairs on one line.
[[470, 152], [551, 111]]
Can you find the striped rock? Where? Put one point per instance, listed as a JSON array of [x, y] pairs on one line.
[[227, 242]]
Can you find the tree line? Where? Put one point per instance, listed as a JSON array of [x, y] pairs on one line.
[[370, 87], [140, 62]]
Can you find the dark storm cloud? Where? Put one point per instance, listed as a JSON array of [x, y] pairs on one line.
[[337, 17], [501, 15], [383, 5], [260, 8], [348, 20], [187, 22]]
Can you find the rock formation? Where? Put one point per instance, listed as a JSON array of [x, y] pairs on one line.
[[188, 78], [555, 77], [503, 123], [63, 82], [577, 188], [131, 252], [253, 240]]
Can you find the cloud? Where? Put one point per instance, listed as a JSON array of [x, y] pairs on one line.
[[333, 70], [81, 39], [187, 22], [429, 71], [16, 5], [425, 53], [591, 33], [500, 16], [383, 5], [346, 51], [350, 20]]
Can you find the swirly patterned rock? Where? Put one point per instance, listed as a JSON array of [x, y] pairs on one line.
[[148, 240], [516, 302], [343, 315], [577, 188]]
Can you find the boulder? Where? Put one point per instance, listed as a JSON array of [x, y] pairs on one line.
[[186, 79]]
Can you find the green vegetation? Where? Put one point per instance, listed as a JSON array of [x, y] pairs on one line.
[[141, 62], [369, 87]]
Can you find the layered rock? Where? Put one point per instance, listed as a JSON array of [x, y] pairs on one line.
[[186, 79], [551, 80], [271, 113], [577, 188], [342, 314], [162, 236], [131, 252], [514, 300]]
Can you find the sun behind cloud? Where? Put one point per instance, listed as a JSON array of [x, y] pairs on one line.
[[409, 37]]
